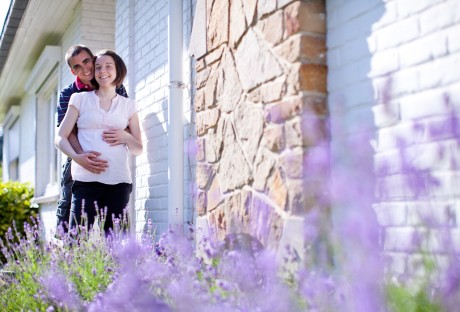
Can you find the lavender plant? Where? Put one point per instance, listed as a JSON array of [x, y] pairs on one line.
[[119, 273], [341, 270]]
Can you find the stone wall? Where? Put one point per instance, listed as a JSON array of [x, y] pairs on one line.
[[260, 116]]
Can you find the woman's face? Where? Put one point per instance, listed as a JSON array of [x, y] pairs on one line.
[[104, 70]]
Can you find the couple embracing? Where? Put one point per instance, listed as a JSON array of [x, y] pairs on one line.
[[98, 127]]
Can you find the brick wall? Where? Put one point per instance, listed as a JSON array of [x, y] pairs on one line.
[[98, 24], [142, 39], [393, 80]]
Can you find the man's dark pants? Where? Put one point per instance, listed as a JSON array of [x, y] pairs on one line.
[[63, 207]]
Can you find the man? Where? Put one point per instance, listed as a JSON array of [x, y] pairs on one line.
[[81, 62]]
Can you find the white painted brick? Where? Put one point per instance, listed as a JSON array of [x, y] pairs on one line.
[[423, 50], [402, 133], [341, 35], [455, 236], [391, 214], [431, 214], [335, 84], [355, 8], [439, 16], [333, 58], [388, 163], [372, 43], [355, 28], [388, 16], [403, 82], [142, 192], [383, 63], [407, 8], [359, 119], [397, 33], [333, 5], [359, 93], [430, 76], [349, 74], [354, 51], [433, 156], [432, 102], [453, 94], [395, 263], [416, 265], [399, 239], [386, 114], [398, 187], [443, 185], [453, 38], [450, 71], [416, 76]]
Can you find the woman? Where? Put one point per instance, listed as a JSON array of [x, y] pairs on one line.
[[102, 117]]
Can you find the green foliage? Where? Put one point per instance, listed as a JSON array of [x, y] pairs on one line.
[[400, 299], [25, 261], [15, 205], [89, 265], [85, 263]]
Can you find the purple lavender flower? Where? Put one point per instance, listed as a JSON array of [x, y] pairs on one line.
[[59, 290]]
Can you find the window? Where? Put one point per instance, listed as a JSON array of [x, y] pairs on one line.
[[11, 145], [48, 158], [42, 85]]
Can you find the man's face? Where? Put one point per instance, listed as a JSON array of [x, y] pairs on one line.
[[82, 65]]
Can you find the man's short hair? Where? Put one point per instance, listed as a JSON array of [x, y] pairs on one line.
[[119, 66], [75, 50]]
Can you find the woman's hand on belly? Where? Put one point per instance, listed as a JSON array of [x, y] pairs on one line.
[[115, 137]]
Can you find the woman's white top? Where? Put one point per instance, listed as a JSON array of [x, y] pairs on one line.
[[91, 122]]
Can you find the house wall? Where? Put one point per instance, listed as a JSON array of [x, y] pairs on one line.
[[141, 38], [393, 84], [72, 36], [92, 24]]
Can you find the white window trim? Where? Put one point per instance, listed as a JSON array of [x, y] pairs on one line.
[[37, 83], [10, 118], [44, 65]]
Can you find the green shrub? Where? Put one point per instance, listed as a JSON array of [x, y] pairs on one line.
[[15, 205]]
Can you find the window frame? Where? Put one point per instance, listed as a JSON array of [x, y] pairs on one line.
[[48, 158]]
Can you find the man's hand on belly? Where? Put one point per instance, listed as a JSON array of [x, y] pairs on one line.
[[91, 162]]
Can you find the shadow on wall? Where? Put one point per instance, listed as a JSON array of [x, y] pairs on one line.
[[350, 101], [352, 130], [155, 177]]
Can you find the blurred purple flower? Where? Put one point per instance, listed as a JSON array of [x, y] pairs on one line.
[[59, 290]]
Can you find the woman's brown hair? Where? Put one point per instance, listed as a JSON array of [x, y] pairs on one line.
[[120, 67]]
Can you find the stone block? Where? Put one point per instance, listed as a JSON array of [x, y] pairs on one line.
[[302, 16]]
